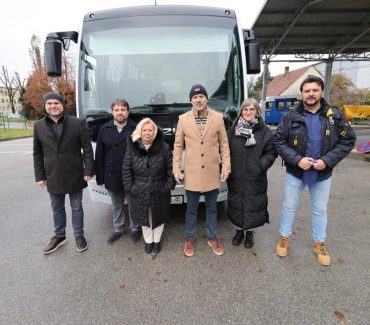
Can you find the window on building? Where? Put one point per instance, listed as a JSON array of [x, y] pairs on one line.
[[280, 105]]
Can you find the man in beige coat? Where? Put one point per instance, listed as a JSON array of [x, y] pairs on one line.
[[201, 131]]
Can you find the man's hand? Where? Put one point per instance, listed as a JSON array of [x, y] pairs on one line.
[[319, 165], [87, 178], [178, 178], [224, 176], [41, 183], [306, 163]]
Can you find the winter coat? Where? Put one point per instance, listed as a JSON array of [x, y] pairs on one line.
[[247, 183], [338, 138], [59, 161], [110, 151], [148, 180], [202, 160]]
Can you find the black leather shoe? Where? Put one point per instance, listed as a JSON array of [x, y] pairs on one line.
[[156, 248], [148, 248], [114, 236], [135, 236], [249, 240], [237, 239]]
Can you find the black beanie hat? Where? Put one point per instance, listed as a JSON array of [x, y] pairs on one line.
[[52, 95], [197, 89]]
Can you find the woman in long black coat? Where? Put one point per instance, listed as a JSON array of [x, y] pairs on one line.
[[252, 154], [148, 181]]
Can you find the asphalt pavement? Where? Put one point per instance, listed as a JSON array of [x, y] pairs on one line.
[[120, 284]]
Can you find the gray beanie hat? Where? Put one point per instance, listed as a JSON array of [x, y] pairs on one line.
[[52, 95]]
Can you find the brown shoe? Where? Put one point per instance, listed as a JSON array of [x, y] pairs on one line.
[[189, 248], [216, 247], [282, 246], [322, 255]]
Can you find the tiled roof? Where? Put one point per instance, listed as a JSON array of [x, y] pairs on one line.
[[282, 81]]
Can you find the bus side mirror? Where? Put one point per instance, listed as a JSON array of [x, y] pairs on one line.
[[252, 52], [53, 57]]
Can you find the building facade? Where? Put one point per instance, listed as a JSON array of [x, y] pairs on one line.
[[288, 83], [5, 106]]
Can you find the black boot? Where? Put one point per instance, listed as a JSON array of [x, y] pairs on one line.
[[157, 248], [237, 239], [148, 248], [249, 241]]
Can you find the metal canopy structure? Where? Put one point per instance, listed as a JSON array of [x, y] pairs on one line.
[[314, 30]]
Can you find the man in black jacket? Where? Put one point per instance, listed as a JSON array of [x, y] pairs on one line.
[[59, 165], [312, 139], [110, 151]]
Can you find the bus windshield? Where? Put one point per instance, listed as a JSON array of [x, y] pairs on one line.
[[153, 61]]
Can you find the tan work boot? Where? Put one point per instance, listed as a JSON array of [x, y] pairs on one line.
[[282, 246], [322, 255]]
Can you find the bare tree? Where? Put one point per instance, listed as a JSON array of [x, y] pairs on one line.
[[19, 82], [9, 83], [35, 54]]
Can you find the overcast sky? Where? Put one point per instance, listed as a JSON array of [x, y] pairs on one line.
[[20, 19]]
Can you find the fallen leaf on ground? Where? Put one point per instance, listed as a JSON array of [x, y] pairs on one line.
[[254, 254], [242, 295], [158, 273], [339, 315], [122, 285]]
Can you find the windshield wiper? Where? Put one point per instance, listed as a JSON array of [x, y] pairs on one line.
[[92, 120], [175, 104]]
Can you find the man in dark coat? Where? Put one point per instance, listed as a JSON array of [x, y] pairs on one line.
[[312, 139], [110, 151], [59, 165]]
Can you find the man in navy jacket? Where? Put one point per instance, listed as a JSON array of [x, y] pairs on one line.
[[110, 151], [312, 139]]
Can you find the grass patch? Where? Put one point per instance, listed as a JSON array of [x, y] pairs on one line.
[[8, 134], [12, 119]]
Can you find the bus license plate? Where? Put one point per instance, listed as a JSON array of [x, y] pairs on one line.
[[177, 199]]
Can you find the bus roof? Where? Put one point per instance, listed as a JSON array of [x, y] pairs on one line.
[[151, 10]]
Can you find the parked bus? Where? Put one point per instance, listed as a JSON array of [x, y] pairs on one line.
[[276, 106], [151, 56]]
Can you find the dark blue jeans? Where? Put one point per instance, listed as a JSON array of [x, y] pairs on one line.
[[59, 213], [191, 213]]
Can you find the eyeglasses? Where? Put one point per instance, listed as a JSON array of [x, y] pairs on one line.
[[246, 110]]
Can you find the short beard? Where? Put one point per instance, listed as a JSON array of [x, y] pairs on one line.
[[311, 106], [200, 108], [123, 120]]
